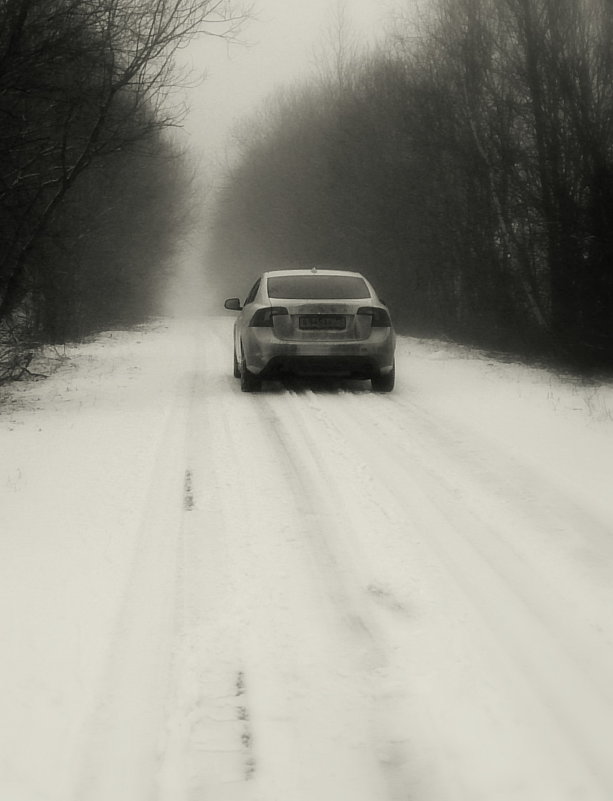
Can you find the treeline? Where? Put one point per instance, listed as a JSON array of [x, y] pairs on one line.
[[467, 169], [92, 188]]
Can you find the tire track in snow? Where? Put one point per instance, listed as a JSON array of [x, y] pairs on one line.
[[120, 757], [280, 739], [259, 621], [325, 516], [208, 750], [565, 665], [520, 483], [284, 513], [320, 496], [477, 498]]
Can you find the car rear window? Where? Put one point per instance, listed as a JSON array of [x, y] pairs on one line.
[[317, 287]]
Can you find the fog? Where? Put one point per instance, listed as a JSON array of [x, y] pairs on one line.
[[283, 42]]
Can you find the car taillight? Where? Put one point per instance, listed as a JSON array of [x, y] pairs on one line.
[[380, 317], [263, 318]]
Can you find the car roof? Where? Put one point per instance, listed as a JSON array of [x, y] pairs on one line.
[[312, 271]]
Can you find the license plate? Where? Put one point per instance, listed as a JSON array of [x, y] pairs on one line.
[[323, 322]]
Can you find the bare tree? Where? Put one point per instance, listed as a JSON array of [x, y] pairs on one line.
[[470, 168], [339, 52], [79, 81]]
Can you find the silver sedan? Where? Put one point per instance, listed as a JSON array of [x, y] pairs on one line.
[[313, 322]]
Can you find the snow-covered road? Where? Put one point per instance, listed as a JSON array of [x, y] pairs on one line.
[[315, 592]]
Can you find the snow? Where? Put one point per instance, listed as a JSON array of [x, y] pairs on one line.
[[313, 592]]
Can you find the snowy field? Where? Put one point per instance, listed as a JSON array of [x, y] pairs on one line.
[[309, 594]]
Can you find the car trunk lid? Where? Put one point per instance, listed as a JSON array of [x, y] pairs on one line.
[[322, 321]]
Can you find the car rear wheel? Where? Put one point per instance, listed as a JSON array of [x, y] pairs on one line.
[[249, 381], [384, 383]]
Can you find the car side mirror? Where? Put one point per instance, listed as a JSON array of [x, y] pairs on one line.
[[233, 304]]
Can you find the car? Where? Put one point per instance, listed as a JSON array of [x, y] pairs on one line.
[[313, 322]]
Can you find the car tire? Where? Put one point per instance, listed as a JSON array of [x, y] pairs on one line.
[[249, 381], [384, 383], [237, 369]]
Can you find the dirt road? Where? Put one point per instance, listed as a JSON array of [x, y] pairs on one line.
[[343, 596]]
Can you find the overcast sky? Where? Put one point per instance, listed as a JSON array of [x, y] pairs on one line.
[[285, 38]]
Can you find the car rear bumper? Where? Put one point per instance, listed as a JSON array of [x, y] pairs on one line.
[[267, 356]]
